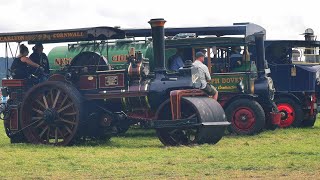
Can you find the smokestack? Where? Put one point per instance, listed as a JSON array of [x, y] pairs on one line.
[[261, 64], [309, 34], [157, 27], [309, 37]]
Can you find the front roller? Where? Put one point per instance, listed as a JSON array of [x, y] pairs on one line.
[[205, 122], [52, 113]]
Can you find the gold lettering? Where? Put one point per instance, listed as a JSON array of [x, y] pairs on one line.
[[227, 87], [119, 58], [56, 61], [228, 80], [216, 80], [62, 61]]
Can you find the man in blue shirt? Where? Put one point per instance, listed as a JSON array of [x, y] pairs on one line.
[[175, 61], [236, 57]]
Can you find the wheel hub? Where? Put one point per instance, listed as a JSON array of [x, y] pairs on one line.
[[284, 115], [287, 114], [49, 115], [243, 118]]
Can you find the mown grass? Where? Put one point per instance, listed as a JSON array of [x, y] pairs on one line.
[[283, 153]]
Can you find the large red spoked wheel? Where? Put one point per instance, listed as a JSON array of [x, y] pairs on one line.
[[52, 114], [205, 110], [291, 112], [246, 116]]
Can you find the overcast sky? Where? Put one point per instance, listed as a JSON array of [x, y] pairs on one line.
[[281, 19]]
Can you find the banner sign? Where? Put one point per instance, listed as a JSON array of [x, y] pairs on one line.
[[40, 36]]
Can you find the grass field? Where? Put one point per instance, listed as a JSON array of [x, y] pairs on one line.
[[281, 154]]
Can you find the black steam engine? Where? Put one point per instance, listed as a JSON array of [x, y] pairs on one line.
[[88, 100]]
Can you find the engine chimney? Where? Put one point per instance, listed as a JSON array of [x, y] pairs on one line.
[[261, 63], [309, 34], [309, 51], [157, 27]]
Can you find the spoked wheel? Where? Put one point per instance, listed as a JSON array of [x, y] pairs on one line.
[[291, 112], [52, 114], [174, 137], [193, 107], [246, 116]]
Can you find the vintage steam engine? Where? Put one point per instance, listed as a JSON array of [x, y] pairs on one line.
[[87, 100]]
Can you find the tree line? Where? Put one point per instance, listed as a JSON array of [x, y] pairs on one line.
[[3, 67]]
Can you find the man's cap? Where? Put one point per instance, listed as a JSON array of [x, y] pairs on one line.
[[203, 50], [199, 54], [38, 45]]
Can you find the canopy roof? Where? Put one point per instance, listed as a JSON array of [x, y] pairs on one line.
[[245, 29], [205, 42], [65, 35], [292, 43]]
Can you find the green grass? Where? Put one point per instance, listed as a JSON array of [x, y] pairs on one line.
[[283, 153]]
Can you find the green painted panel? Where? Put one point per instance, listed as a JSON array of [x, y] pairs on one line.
[[229, 82], [116, 53]]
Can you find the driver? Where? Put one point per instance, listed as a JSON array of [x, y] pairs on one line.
[[235, 57], [39, 57], [204, 76], [20, 66]]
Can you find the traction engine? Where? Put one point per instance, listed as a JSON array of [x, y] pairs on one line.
[[87, 100]]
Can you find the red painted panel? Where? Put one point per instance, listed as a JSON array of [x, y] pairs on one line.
[[175, 100], [13, 82], [57, 77], [88, 82], [14, 118], [111, 80]]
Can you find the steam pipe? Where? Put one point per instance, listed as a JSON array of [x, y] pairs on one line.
[[157, 28]]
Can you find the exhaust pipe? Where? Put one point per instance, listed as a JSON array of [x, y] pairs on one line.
[[261, 63], [309, 35], [157, 27]]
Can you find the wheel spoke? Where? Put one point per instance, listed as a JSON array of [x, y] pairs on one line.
[[65, 107], [37, 110], [39, 124], [68, 129], [56, 99], [63, 101], [192, 116], [36, 118], [60, 133], [41, 104], [66, 121], [43, 131], [56, 135], [45, 101], [70, 114], [176, 135], [51, 95], [48, 136]]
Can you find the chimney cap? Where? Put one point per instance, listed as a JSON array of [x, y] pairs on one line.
[[308, 31]]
